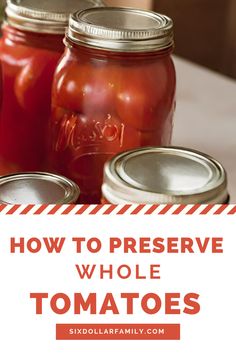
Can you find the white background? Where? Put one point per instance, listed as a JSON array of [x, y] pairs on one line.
[[212, 276], [205, 115]]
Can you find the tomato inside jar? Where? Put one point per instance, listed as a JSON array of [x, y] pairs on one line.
[[30, 49], [0, 86], [114, 89]]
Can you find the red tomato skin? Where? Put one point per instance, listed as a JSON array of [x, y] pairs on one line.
[[84, 87], [146, 99], [28, 61]]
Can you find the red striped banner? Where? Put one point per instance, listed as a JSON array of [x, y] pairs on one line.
[[107, 209]]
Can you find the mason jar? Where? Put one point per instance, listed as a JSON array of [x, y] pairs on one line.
[[114, 89], [30, 48]]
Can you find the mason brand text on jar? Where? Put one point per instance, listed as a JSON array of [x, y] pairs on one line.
[[114, 89], [30, 48], [37, 188], [164, 175]]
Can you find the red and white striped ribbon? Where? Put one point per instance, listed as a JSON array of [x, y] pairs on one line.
[[131, 209]]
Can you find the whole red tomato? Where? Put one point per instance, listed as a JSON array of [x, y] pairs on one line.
[[143, 94], [86, 88], [32, 84]]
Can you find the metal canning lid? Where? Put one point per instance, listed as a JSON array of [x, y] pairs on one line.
[[164, 175], [37, 188], [45, 16], [121, 29]]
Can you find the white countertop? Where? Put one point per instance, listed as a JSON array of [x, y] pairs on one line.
[[206, 115]]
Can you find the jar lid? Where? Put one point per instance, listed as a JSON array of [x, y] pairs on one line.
[[45, 16], [164, 175], [37, 188], [121, 29]]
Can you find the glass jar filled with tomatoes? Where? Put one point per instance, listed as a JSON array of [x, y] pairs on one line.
[[114, 89], [30, 48]]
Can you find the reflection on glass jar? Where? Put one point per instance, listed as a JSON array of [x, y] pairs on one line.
[[114, 89]]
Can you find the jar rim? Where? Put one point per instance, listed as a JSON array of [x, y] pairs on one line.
[[44, 17], [32, 187], [170, 175], [121, 29]]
